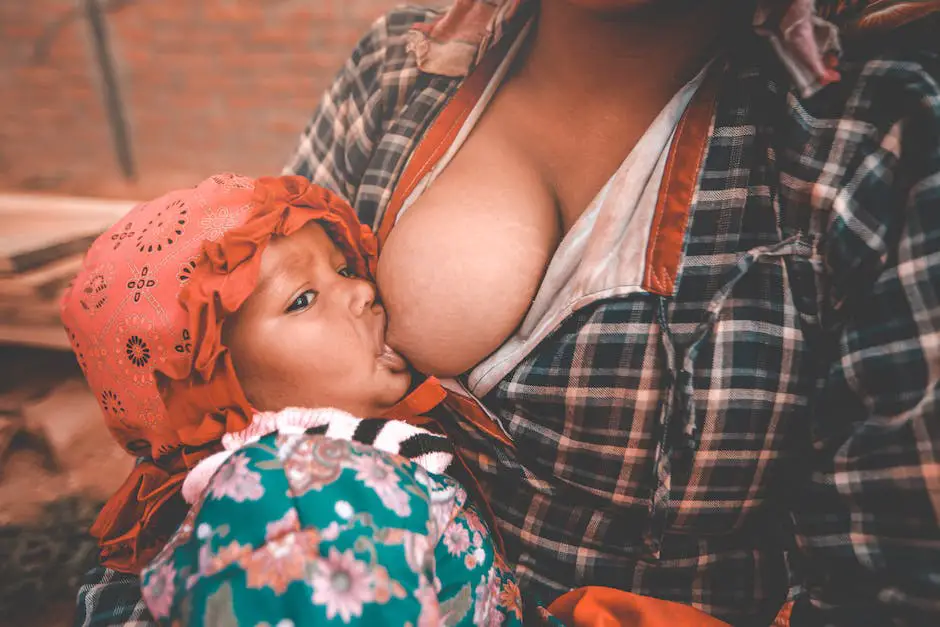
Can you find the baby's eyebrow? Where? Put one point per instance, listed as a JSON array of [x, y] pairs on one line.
[[273, 282]]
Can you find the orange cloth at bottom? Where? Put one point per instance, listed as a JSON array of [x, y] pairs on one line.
[[596, 606]]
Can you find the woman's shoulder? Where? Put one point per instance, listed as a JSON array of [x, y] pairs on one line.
[[403, 17], [368, 93], [893, 41], [890, 75], [868, 147]]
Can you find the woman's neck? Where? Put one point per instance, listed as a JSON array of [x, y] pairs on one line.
[[647, 51]]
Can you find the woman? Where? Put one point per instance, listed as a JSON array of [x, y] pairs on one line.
[[694, 292]]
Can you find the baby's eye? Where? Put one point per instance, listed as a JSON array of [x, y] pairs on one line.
[[303, 300], [346, 272]]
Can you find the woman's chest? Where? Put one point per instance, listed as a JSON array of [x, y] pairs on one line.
[[468, 255], [461, 266]]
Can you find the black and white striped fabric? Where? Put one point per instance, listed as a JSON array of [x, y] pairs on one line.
[[431, 451]]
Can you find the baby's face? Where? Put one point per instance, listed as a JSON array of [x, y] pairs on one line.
[[311, 333]]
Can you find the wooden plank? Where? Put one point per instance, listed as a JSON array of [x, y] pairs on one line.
[[65, 205], [31, 314], [41, 336], [44, 283], [30, 241], [38, 302], [38, 229], [16, 261], [42, 241]]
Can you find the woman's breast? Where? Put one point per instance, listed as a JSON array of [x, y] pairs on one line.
[[460, 269]]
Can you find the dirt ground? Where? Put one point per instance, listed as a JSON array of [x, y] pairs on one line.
[[52, 480]]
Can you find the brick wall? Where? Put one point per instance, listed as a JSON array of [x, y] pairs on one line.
[[207, 85]]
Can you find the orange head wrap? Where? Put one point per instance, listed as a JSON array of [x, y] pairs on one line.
[[145, 316]]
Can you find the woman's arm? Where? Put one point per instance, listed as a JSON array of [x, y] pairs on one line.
[[869, 523], [366, 96]]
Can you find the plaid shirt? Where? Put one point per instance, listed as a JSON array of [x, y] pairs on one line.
[[107, 597], [770, 429]]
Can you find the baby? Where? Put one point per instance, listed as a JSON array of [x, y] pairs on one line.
[[211, 323]]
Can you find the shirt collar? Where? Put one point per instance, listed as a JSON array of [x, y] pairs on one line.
[[455, 42]]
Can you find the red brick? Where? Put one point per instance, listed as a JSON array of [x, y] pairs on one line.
[[207, 86]]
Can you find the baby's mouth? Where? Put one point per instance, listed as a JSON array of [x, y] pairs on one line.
[[392, 360], [386, 354]]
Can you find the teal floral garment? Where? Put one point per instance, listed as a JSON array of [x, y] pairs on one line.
[[307, 530]]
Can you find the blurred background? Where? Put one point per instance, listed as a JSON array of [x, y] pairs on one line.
[[103, 103], [125, 98]]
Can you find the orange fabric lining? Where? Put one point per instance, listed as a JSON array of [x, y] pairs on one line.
[[783, 617], [441, 134], [680, 179], [411, 409], [597, 606]]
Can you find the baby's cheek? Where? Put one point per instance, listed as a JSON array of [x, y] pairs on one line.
[[269, 373]]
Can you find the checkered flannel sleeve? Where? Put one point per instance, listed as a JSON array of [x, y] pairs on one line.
[[340, 135], [339, 141], [107, 598], [871, 525]]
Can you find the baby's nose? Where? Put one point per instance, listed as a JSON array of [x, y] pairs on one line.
[[361, 296]]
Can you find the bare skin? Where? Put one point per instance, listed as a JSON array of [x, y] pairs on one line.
[[459, 271]]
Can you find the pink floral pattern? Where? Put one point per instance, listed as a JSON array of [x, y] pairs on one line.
[[486, 611], [259, 551], [456, 539], [315, 463], [284, 525], [227, 555], [416, 551], [343, 584], [159, 589], [386, 589], [282, 561], [382, 478], [430, 615], [234, 480]]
